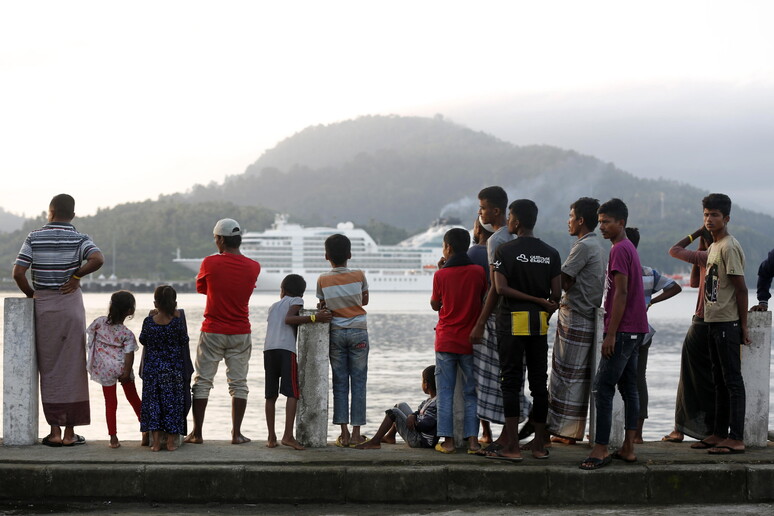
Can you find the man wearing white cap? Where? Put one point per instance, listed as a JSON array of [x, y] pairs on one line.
[[227, 279]]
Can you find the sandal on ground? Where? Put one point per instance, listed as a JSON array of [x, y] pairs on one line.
[[439, 448], [724, 450], [365, 438], [671, 439], [702, 445], [498, 455], [590, 463], [492, 447], [79, 439], [544, 456], [48, 442], [340, 443], [617, 455]]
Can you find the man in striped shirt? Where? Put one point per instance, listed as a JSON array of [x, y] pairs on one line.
[[56, 254], [344, 292]]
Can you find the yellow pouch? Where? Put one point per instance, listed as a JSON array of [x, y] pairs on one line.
[[520, 324]]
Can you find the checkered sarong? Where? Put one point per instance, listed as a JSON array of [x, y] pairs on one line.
[[568, 388], [486, 369]]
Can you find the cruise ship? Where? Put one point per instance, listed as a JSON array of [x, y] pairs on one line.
[[289, 248]]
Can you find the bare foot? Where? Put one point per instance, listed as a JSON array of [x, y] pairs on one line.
[[171, 442], [271, 442], [293, 444], [638, 440], [145, 441], [193, 439], [563, 440], [371, 444], [114, 442], [354, 441], [387, 440], [240, 439], [156, 447]]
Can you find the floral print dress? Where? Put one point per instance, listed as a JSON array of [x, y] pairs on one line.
[[106, 345], [163, 382]]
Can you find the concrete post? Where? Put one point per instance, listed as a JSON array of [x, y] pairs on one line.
[[756, 370], [617, 429], [312, 414], [20, 373]]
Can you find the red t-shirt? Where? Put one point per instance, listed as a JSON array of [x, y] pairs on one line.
[[228, 281], [460, 290]]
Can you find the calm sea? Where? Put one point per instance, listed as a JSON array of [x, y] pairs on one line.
[[401, 334]]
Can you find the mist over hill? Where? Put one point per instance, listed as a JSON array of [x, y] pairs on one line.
[[394, 176]]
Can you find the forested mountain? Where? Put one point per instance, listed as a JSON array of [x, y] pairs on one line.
[[9, 222], [394, 176]]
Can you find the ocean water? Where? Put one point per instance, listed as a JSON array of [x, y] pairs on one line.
[[400, 327]]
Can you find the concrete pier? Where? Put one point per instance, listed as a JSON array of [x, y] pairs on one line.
[[20, 373], [756, 371], [313, 343], [217, 471]]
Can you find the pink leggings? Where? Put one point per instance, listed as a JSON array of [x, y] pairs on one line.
[[111, 403]]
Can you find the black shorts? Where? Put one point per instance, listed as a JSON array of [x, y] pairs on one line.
[[281, 373]]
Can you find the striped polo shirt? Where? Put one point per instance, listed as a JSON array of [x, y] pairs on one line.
[[342, 290], [53, 253]]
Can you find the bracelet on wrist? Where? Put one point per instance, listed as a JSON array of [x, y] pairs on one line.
[[76, 277], [690, 237], [312, 317]]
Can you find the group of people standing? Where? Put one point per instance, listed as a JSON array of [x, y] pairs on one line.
[[527, 284], [494, 299]]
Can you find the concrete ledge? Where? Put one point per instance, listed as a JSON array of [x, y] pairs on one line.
[[220, 472]]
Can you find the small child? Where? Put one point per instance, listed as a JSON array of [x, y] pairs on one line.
[[165, 337], [111, 347], [279, 355], [345, 292], [417, 428], [459, 286]]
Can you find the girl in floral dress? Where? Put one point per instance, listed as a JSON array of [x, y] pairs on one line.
[[111, 347], [165, 337]]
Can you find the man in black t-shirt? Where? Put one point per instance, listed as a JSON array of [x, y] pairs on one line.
[[527, 274]]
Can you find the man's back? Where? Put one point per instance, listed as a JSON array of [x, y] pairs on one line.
[[460, 290], [586, 264], [228, 281]]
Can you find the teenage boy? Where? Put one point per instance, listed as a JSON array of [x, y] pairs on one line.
[[344, 292], [626, 323], [492, 212], [527, 277], [583, 282], [459, 286], [725, 311]]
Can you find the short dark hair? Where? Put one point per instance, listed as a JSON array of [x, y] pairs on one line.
[[458, 239], [121, 306], [428, 375], [63, 206], [338, 248], [526, 211], [232, 241], [633, 234], [616, 208], [586, 208], [717, 201], [496, 196], [166, 299], [294, 285]]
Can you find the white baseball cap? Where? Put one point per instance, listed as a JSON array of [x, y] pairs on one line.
[[227, 227]]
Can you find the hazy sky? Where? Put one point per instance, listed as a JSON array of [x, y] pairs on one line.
[[115, 102]]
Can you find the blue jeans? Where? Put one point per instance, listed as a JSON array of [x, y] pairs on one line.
[[446, 365], [725, 339], [349, 364], [620, 369]]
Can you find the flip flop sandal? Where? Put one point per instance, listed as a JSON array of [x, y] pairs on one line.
[[727, 450], [590, 463], [440, 448], [79, 439], [702, 445], [670, 439], [618, 456], [48, 442], [497, 455], [492, 447]]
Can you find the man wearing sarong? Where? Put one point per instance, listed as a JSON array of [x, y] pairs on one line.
[[56, 254], [583, 274]]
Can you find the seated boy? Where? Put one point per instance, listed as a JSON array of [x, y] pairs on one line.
[[417, 428], [458, 288], [279, 355]]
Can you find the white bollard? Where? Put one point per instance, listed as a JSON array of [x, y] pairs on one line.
[[617, 429], [756, 370], [20, 373], [312, 414]]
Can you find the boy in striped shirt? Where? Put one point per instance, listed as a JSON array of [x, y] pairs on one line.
[[344, 292]]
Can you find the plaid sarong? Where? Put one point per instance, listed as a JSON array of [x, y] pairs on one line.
[[570, 382], [486, 369]]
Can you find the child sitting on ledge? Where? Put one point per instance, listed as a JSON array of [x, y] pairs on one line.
[[416, 428]]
